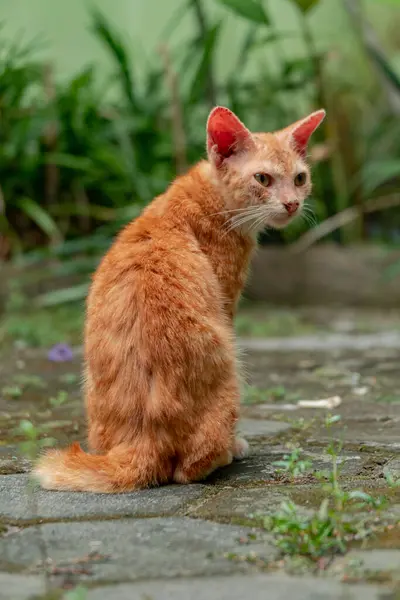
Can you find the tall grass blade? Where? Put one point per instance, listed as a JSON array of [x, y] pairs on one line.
[[63, 296], [305, 5], [252, 10], [201, 75], [42, 218], [115, 46]]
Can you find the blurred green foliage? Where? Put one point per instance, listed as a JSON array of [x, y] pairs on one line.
[[78, 158]]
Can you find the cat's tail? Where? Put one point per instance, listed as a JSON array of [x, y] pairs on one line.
[[75, 470]]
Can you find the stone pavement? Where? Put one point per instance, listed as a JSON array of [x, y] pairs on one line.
[[199, 541]]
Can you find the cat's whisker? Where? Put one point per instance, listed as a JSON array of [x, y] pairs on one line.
[[231, 210], [244, 212], [230, 226], [257, 223], [243, 219], [249, 211], [238, 225], [308, 215], [310, 219], [238, 220], [308, 209], [259, 219]]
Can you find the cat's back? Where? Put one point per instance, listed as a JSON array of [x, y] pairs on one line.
[[136, 242], [155, 256], [160, 233]]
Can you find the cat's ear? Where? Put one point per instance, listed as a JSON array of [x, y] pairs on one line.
[[226, 135], [301, 131]]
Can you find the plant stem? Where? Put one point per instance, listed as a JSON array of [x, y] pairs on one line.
[[178, 130], [373, 47], [321, 99], [203, 29], [52, 175], [343, 218]]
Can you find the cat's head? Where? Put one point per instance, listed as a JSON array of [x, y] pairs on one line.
[[264, 176]]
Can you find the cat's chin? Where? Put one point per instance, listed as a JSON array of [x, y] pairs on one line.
[[280, 222]]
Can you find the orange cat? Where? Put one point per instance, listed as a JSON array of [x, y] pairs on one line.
[[162, 387]]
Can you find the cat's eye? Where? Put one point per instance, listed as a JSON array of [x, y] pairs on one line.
[[263, 179], [300, 179]]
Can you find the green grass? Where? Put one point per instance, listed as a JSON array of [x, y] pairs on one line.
[[12, 391], [263, 321], [69, 378], [59, 399], [342, 518], [278, 393], [43, 327], [389, 398], [32, 438], [79, 593], [325, 531], [293, 464], [20, 383]]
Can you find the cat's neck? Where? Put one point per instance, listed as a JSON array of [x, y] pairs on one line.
[[228, 250], [205, 205]]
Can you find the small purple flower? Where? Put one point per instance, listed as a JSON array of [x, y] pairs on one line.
[[60, 353]]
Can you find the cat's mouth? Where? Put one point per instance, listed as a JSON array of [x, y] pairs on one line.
[[282, 220]]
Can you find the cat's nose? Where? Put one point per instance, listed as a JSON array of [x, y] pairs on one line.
[[291, 207]]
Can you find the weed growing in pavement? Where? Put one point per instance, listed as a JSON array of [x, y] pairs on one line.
[[342, 517], [292, 464]]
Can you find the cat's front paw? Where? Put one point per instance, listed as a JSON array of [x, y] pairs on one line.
[[240, 448]]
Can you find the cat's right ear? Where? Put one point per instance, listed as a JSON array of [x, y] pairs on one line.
[[226, 135]]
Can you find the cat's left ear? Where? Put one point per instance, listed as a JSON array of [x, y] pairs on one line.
[[301, 131]]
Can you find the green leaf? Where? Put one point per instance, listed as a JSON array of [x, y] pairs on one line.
[[12, 391], [252, 10], [60, 399], [377, 173], [175, 20], [115, 46], [332, 419], [34, 381], [76, 163], [82, 80], [100, 213], [63, 296], [359, 495], [280, 463], [245, 52], [69, 378], [27, 428], [384, 66], [305, 5], [40, 217], [28, 449], [79, 593], [47, 442], [201, 75]]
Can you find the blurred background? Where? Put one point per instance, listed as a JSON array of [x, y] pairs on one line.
[[103, 103]]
